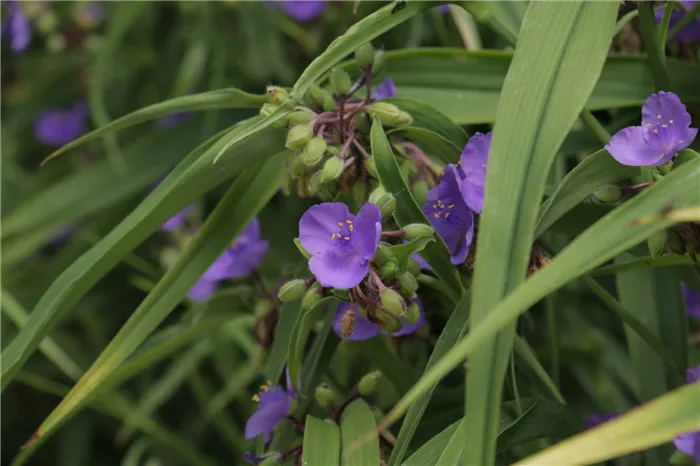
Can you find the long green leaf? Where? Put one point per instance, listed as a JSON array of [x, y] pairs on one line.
[[654, 423], [355, 420], [321, 443], [537, 108]]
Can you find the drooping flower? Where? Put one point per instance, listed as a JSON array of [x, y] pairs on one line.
[[340, 243], [274, 403], [17, 28], [449, 214], [177, 221], [689, 443], [689, 33], [664, 132], [364, 329], [304, 10], [472, 164], [59, 126], [385, 90], [89, 15], [692, 302]]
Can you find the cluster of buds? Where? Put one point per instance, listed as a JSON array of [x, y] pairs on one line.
[[329, 130]]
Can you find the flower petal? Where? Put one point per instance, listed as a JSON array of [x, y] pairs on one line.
[[629, 147], [367, 231], [267, 417], [692, 302], [664, 107], [319, 224], [688, 443], [473, 195], [693, 374], [202, 290], [406, 328], [57, 127], [220, 268], [385, 90], [475, 157], [305, 10], [337, 270], [363, 330], [247, 258]]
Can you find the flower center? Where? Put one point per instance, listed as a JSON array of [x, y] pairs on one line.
[[344, 231], [660, 123], [442, 210], [263, 389]]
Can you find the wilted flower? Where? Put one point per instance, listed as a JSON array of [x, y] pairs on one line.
[[304, 10], [449, 214], [472, 164], [17, 28], [177, 221], [59, 126], [664, 132], [689, 33], [363, 329], [692, 302], [385, 90], [274, 403], [690, 443], [341, 244], [245, 254]]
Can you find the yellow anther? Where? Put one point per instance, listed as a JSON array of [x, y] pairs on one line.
[[658, 116], [269, 382], [264, 388], [451, 206], [664, 126], [340, 224], [437, 215], [434, 206], [347, 238], [352, 228], [447, 214], [647, 125], [670, 121], [349, 222], [656, 131], [333, 237], [255, 398]]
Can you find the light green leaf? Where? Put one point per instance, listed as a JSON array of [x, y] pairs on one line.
[[321, 443], [355, 421], [300, 334]]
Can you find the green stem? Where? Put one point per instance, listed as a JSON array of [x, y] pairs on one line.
[[596, 128], [663, 26], [683, 22], [655, 54]]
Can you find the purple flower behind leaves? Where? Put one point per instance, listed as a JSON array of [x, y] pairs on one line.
[[689, 33], [594, 420], [449, 214], [174, 119], [472, 164], [17, 28], [689, 443], [385, 90], [443, 8], [59, 126], [664, 132], [177, 221], [692, 302], [340, 243], [364, 329], [304, 10], [274, 403]]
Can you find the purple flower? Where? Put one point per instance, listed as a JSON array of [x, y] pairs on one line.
[[274, 403], [689, 443], [59, 126], [242, 257], [174, 119], [691, 32], [304, 10], [364, 329], [664, 132], [89, 15], [17, 28], [421, 262], [341, 244], [443, 8], [449, 214], [692, 302], [473, 165], [385, 90], [177, 221], [594, 420]]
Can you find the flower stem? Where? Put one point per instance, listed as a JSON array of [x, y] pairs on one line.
[[338, 411], [655, 54], [636, 187], [663, 26], [296, 423], [594, 125], [394, 233], [290, 452]]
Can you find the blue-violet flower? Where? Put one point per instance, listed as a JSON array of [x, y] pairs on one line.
[[274, 403], [364, 329], [692, 302], [17, 28], [59, 126], [689, 33], [472, 164], [304, 10], [689, 443], [385, 90]]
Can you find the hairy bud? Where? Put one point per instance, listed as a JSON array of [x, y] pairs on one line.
[[347, 323], [314, 151], [368, 383], [312, 296], [392, 302], [340, 81], [417, 230], [278, 95], [365, 55], [407, 283], [412, 314], [332, 169], [324, 396], [298, 136], [292, 290]]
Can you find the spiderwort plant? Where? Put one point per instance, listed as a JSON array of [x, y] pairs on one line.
[[59, 126], [304, 11], [689, 443], [692, 302], [350, 324], [274, 405], [17, 28]]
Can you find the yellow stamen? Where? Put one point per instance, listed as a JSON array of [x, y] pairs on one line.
[[352, 228], [264, 388], [340, 224], [670, 121], [656, 131], [664, 126], [647, 125], [434, 206], [447, 214], [255, 398], [269, 382], [451, 206], [349, 222], [437, 215], [658, 116], [347, 238], [333, 237]]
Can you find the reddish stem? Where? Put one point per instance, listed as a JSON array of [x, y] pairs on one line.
[[290, 452], [339, 409], [296, 423], [346, 146], [636, 187], [341, 128], [394, 233]]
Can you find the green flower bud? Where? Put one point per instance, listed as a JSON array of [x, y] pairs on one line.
[[419, 190], [300, 117], [328, 192], [365, 55], [312, 296], [341, 294], [340, 81], [387, 206], [298, 168], [47, 22], [359, 193], [368, 383], [379, 62], [315, 184], [332, 169], [301, 249], [607, 195], [347, 324], [657, 243], [363, 124], [392, 302], [388, 322], [272, 460], [313, 152], [388, 270], [413, 267], [292, 290], [407, 283], [324, 396], [56, 43], [168, 257], [387, 113], [412, 314], [278, 95], [315, 96], [383, 255], [417, 230], [404, 119], [328, 103], [268, 109], [371, 167], [298, 136], [684, 156], [666, 168], [377, 195]]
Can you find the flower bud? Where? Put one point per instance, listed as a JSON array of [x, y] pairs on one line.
[[301, 249], [392, 302], [268, 109], [365, 55], [327, 192], [417, 230], [383, 255], [684, 156], [278, 95], [371, 167], [47, 22], [313, 151], [413, 267], [168, 257], [388, 322], [407, 283], [324, 396], [312, 296], [300, 117], [368, 383], [292, 290], [272, 460], [405, 118], [341, 294], [657, 243], [377, 195], [56, 43], [412, 314], [419, 191], [340, 81], [315, 184], [328, 102], [607, 195], [316, 96], [332, 169], [298, 136], [387, 113], [666, 168], [363, 124], [388, 270], [379, 62], [387, 206]]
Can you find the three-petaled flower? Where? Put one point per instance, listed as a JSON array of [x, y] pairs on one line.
[[274, 404], [306, 10], [340, 243], [59, 126], [664, 132], [364, 329], [472, 164], [385, 90]]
